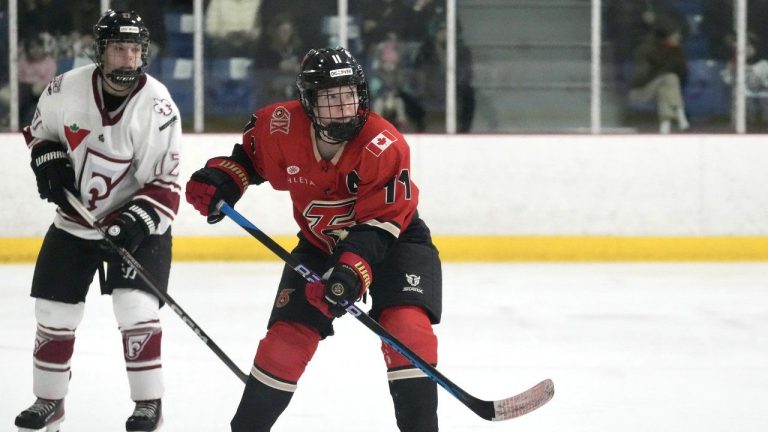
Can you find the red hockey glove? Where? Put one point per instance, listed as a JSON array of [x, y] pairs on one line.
[[343, 284], [221, 179]]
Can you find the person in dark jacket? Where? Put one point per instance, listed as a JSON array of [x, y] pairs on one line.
[[660, 72]]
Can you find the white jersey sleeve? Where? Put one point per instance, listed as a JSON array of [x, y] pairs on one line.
[[157, 153]]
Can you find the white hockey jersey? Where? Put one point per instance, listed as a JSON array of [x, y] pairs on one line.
[[130, 153]]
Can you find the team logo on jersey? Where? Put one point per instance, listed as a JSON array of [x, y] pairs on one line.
[[380, 142], [75, 135], [280, 121], [163, 107], [326, 219], [293, 170], [100, 175], [284, 297]]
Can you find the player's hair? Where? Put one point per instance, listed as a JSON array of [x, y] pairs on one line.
[[121, 26], [327, 68]]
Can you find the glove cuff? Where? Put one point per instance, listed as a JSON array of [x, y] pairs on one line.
[[237, 172], [361, 268], [46, 152], [144, 212]]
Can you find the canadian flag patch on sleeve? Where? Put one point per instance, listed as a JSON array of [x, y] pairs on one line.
[[380, 142]]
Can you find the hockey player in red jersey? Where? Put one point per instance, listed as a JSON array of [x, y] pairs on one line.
[[348, 174], [109, 134]]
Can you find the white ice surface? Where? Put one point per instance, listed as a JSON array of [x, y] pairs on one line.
[[630, 347]]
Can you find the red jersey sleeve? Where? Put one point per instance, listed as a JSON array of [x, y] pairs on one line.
[[263, 149]]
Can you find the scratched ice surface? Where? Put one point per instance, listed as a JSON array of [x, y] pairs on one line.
[[630, 347]]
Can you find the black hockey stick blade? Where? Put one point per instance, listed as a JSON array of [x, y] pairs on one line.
[[149, 280], [504, 409]]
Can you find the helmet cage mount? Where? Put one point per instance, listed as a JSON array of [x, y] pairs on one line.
[[328, 68], [117, 27]]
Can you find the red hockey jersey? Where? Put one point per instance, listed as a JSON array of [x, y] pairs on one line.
[[367, 182]]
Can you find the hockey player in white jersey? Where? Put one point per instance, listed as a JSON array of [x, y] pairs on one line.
[[110, 134]]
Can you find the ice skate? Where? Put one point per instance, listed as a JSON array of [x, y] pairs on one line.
[[146, 417], [43, 415]]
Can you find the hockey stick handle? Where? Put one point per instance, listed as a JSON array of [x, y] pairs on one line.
[[473, 403], [147, 278]]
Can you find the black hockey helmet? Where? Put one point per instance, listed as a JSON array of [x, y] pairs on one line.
[[326, 68], [121, 26]]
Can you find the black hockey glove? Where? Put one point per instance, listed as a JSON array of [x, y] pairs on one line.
[[54, 174], [132, 225], [221, 179], [344, 284]]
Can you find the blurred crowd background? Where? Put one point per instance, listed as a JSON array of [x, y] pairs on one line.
[[522, 66]]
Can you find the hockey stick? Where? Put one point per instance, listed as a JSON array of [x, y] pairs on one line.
[[503, 409], [145, 276]]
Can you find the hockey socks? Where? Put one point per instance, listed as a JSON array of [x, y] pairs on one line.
[[411, 325], [280, 361], [259, 407], [52, 356], [415, 401], [141, 350], [286, 350], [137, 316], [413, 394], [54, 345]]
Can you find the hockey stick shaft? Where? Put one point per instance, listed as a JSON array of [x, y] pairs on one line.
[[149, 280], [485, 409]]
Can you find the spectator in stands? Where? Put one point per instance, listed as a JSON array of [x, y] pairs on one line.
[[717, 24], [381, 18], [629, 22], [430, 68], [425, 13], [278, 56], [307, 15], [36, 69], [51, 16], [756, 80], [387, 86], [232, 26], [660, 72]]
